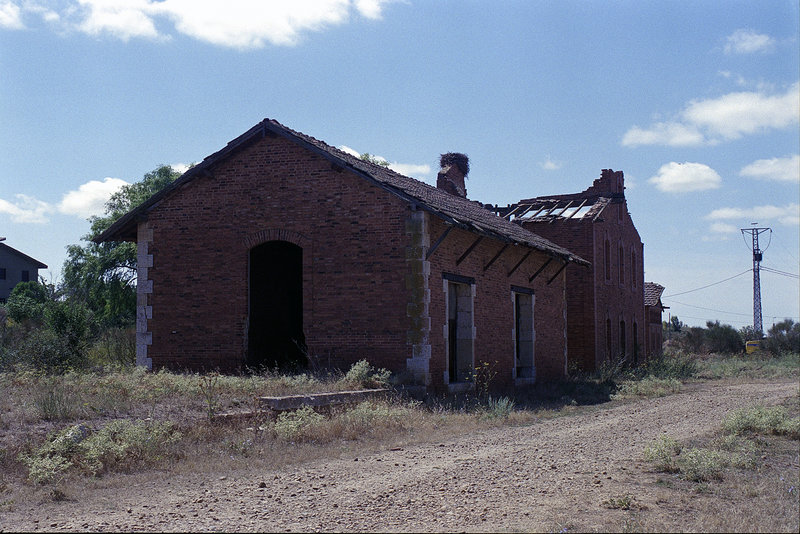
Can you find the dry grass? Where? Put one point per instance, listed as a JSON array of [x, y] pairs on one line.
[[758, 479], [746, 477]]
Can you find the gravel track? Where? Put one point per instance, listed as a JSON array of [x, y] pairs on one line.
[[548, 475]]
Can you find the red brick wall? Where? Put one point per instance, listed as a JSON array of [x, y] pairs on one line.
[[352, 235], [354, 238], [493, 306], [591, 297]]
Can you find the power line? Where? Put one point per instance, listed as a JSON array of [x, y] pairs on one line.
[[709, 285], [710, 309], [776, 271]]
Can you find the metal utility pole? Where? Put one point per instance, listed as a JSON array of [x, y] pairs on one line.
[[758, 254]]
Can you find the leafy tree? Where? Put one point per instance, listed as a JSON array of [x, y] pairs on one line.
[[783, 337], [27, 301], [723, 338], [748, 333], [366, 156], [103, 276]]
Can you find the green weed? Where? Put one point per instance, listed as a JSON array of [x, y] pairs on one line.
[[363, 375], [298, 425], [762, 420]]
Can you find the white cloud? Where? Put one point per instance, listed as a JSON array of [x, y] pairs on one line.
[[348, 150], [121, 18], [550, 165], [748, 42], [407, 169], [90, 198], [785, 169], [788, 215], [26, 210], [685, 177], [663, 133], [410, 169], [10, 17], [180, 167], [736, 114], [724, 228], [725, 118], [240, 24]]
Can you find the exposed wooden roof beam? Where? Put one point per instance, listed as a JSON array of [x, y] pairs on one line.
[[585, 200], [525, 257], [540, 269], [470, 249], [496, 256], [437, 243], [557, 272]]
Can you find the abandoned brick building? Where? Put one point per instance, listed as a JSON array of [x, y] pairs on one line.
[[280, 250], [605, 304]]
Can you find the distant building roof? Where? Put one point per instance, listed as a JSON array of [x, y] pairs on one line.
[[652, 294], [458, 211], [11, 250]]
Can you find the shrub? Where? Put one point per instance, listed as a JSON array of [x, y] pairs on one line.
[[46, 350], [124, 444], [499, 408], [762, 420], [115, 347], [54, 402], [298, 425], [701, 465], [723, 338], [27, 301], [648, 387], [664, 452], [783, 337], [363, 375], [121, 444], [677, 364], [368, 417]]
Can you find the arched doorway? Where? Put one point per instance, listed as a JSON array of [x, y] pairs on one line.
[[275, 330]]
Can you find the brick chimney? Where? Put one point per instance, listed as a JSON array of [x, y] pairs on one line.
[[454, 170]]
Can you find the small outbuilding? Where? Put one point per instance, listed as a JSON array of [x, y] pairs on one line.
[[282, 251], [653, 309]]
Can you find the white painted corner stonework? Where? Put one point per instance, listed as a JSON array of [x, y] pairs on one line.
[[419, 297]]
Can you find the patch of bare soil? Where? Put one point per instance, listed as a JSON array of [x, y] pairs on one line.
[[559, 474]]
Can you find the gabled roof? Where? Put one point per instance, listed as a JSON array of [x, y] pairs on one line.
[[454, 210], [652, 294], [11, 250]]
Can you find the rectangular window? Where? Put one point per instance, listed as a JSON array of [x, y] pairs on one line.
[[459, 328], [26, 276], [2, 273], [523, 334], [607, 259], [621, 260]]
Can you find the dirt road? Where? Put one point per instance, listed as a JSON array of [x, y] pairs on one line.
[[553, 475]]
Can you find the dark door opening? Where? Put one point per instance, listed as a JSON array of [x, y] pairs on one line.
[[275, 331]]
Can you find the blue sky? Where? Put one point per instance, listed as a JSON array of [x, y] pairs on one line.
[[697, 102]]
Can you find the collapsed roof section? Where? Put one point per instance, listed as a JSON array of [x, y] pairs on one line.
[[585, 206]]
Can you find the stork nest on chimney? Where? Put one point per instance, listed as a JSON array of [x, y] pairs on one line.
[[455, 158]]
